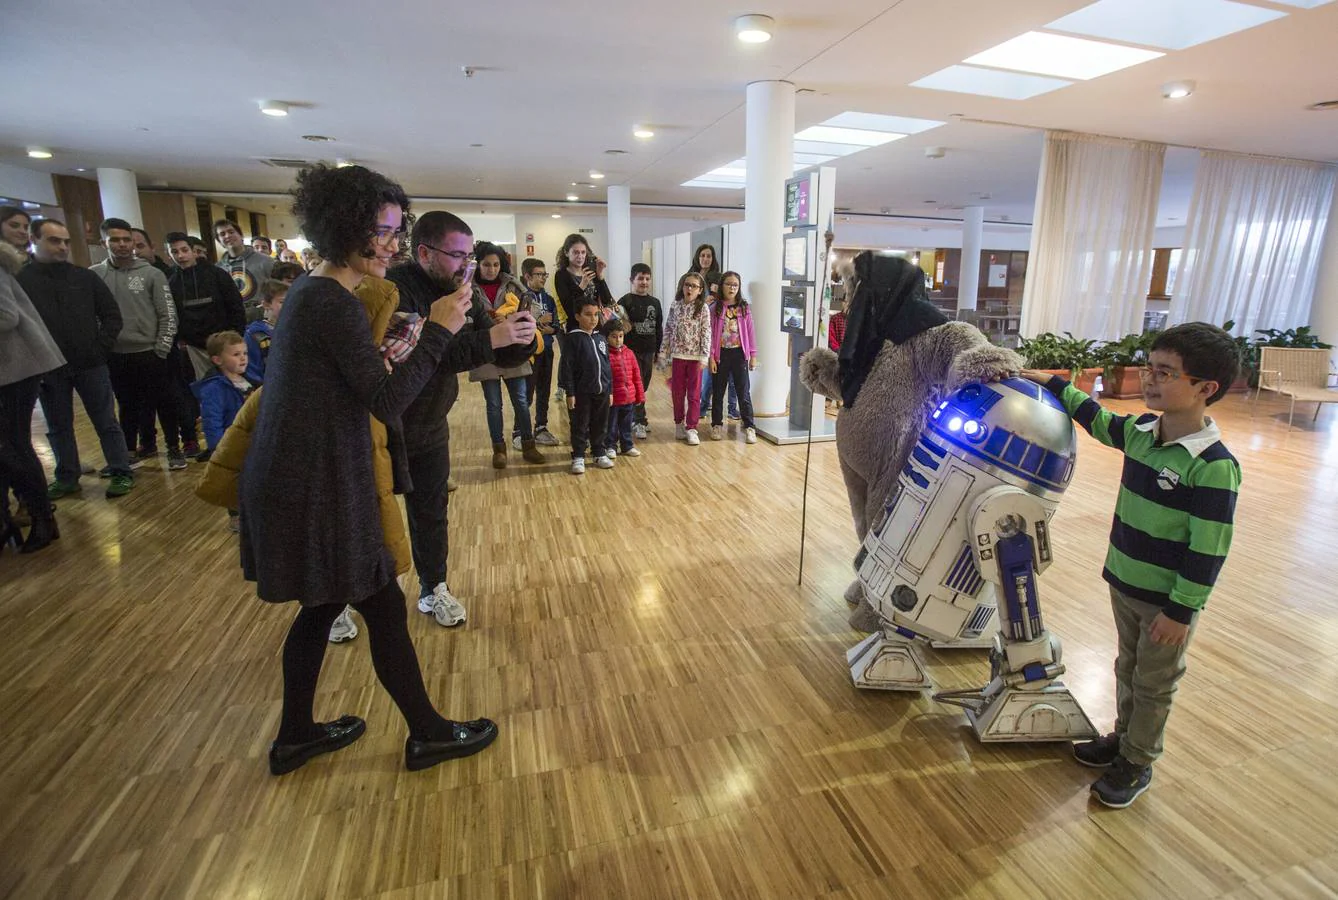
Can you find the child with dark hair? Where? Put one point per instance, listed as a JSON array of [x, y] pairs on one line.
[[733, 355], [645, 333], [687, 347], [1170, 536], [548, 318], [585, 378], [626, 391], [260, 333]]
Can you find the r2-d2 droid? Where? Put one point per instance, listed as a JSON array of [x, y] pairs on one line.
[[968, 523]]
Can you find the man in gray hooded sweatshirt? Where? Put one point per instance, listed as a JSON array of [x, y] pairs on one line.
[[140, 373], [248, 268]]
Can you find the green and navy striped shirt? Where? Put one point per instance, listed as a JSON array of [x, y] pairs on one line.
[[1173, 519]]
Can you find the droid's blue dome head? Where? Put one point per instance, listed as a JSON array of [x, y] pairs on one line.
[[1014, 427]]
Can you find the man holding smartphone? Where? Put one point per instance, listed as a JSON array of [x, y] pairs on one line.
[[441, 263]]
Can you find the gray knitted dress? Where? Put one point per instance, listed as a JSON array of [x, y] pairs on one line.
[[311, 526]]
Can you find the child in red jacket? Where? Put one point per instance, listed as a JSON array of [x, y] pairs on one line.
[[627, 390]]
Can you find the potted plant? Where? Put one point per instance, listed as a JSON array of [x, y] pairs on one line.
[[1249, 361], [1067, 356], [1300, 337], [1122, 361]]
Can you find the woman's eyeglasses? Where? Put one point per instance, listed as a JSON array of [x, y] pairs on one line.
[[1159, 375], [385, 234]]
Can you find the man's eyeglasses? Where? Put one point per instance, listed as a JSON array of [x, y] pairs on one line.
[[1159, 375], [457, 255]]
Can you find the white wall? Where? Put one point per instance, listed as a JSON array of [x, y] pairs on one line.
[[18, 183], [1170, 236], [912, 236]]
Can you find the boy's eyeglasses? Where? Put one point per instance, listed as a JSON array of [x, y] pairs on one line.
[[1159, 375]]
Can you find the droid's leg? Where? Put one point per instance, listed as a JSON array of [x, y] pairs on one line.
[[1024, 700]]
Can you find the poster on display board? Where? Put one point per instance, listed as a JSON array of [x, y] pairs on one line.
[[998, 277]]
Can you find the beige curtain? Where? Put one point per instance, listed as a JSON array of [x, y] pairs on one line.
[[1253, 241], [1091, 239]]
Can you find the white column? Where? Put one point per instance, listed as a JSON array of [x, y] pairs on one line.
[[1324, 308], [973, 236], [120, 196], [620, 239], [770, 155]]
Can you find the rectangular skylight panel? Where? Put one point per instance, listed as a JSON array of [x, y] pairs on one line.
[[875, 122], [1061, 56], [989, 83], [827, 148], [1304, 4], [1157, 23], [720, 185], [858, 136], [731, 171], [813, 159]]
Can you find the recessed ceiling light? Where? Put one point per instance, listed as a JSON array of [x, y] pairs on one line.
[[343, 163], [1061, 56], [754, 29], [1152, 24], [81, 170], [557, 215], [316, 138], [274, 108], [989, 83], [39, 153], [596, 175], [573, 198], [643, 133], [1177, 90]]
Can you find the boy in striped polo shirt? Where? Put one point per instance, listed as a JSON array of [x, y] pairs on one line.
[[1169, 538]]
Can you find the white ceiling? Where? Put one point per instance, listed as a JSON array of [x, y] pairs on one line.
[[171, 90]]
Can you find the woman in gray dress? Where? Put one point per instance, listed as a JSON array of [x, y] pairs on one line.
[[310, 525]]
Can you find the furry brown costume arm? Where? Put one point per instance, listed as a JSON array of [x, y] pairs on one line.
[[956, 353], [819, 370]]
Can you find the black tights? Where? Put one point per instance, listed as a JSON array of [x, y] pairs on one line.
[[393, 657]]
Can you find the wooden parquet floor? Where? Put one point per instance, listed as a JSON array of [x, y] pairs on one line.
[[676, 715]]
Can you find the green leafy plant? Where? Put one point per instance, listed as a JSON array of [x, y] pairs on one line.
[[1301, 337], [1050, 351], [1130, 350]]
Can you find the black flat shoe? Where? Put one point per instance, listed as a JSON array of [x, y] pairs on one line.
[[468, 738], [284, 758]]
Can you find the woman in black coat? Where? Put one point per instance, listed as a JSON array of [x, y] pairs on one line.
[[310, 523]]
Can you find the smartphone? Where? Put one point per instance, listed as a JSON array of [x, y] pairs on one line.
[[467, 273], [526, 303]]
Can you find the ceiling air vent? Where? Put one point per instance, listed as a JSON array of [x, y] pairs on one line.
[[285, 163], [1323, 105]]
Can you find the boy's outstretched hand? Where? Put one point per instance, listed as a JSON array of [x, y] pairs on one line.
[[1165, 630]]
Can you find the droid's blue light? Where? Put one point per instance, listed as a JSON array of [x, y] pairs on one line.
[[955, 423], [972, 428]]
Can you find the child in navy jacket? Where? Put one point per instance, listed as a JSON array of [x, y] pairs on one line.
[[584, 376]]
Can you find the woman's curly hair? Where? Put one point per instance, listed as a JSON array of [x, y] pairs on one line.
[[572, 240], [337, 208]]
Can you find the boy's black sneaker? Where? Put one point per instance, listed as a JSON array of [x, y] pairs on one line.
[[1098, 753], [1122, 784]]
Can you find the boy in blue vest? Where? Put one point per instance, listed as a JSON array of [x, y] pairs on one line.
[[1170, 536], [222, 394]]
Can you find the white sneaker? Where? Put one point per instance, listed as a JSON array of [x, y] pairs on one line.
[[603, 462], [344, 628], [515, 442], [632, 452], [692, 438], [680, 432], [442, 606], [578, 465], [750, 435], [611, 453], [639, 432], [717, 433], [545, 438]]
